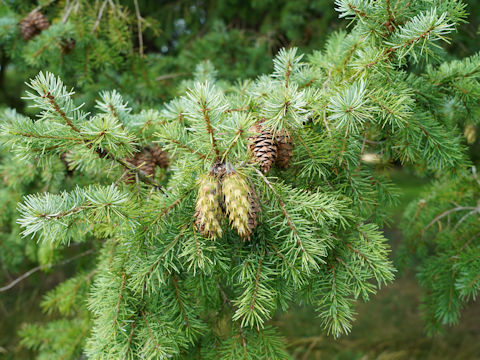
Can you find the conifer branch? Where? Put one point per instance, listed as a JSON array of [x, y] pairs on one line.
[[52, 101], [139, 27], [99, 16], [43, 267]]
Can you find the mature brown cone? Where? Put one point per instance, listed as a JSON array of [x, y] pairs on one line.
[[143, 161], [67, 45], [254, 211], [263, 146], [28, 28], [39, 20], [284, 149], [64, 159], [159, 156]]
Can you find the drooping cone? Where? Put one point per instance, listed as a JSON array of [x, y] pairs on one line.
[[241, 204], [33, 24], [284, 149], [28, 28], [263, 146], [66, 162], [207, 211], [40, 21], [254, 210], [159, 156], [143, 161], [470, 133], [67, 45]]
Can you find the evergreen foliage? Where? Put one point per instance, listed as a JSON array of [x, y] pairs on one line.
[[178, 271]]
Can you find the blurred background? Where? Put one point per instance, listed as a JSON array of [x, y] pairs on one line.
[[103, 50]]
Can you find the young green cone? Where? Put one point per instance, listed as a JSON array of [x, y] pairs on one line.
[[470, 133], [207, 211], [241, 204]]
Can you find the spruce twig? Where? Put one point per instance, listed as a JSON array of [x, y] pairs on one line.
[[43, 267]]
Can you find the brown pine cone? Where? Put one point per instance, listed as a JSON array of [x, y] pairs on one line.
[[284, 149], [144, 162], [159, 156], [263, 146], [67, 45], [40, 21], [253, 212], [28, 28]]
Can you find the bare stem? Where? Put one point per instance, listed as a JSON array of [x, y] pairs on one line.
[[42, 267]]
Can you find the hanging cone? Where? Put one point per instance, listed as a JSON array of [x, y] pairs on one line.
[[207, 211], [159, 156], [28, 28], [67, 45], [143, 161], [33, 24], [284, 149], [470, 133], [237, 203], [263, 146], [254, 211], [40, 21], [64, 159]]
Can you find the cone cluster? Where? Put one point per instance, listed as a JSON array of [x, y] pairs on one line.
[[233, 197], [33, 24], [268, 149], [146, 161]]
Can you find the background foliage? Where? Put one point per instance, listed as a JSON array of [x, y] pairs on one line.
[[239, 38]]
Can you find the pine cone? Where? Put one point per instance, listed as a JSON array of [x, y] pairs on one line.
[[284, 149], [207, 211], [144, 161], [237, 203], [470, 133], [254, 211], [262, 146], [159, 156], [39, 20], [67, 45], [28, 28], [64, 159], [33, 24]]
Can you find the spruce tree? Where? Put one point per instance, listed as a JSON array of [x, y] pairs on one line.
[[268, 198]]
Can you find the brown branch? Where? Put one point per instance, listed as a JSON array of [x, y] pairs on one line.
[[119, 298], [42, 267], [179, 301], [445, 213], [282, 207], [167, 209], [229, 302], [255, 289], [238, 133], [36, 136], [171, 76], [186, 147], [210, 130], [139, 27], [51, 100], [100, 14], [157, 345]]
